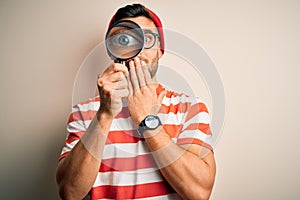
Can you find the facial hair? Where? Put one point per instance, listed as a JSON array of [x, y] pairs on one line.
[[153, 65]]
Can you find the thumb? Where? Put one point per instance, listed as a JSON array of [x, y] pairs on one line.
[[161, 96], [157, 107]]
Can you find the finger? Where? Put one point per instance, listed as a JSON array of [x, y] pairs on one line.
[[133, 77], [146, 72], [139, 72], [114, 67], [161, 96], [108, 89], [122, 84], [157, 108], [111, 86], [121, 93], [112, 78], [118, 67], [129, 85]]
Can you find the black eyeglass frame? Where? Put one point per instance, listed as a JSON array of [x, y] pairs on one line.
[[154, 35]]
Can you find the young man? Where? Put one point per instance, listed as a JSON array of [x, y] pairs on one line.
[[137, 140]]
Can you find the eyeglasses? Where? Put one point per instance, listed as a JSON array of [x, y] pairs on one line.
[[150, 39]]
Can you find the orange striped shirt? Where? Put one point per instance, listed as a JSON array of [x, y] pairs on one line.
[[127, 169]]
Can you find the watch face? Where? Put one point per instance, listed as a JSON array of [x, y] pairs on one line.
[[151, 122]]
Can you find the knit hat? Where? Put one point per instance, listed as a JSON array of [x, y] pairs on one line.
[[158, 25]]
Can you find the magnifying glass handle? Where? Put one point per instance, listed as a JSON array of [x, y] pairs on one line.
[[122, 62], [119, 61]]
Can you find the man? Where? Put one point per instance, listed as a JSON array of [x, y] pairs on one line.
[[137, 140]]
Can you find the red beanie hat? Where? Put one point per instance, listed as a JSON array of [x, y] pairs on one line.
[[158, 25]]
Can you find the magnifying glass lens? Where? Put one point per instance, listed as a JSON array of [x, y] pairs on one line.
[[124, 40]]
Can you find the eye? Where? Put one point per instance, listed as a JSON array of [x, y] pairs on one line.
[[148, 38], [124, 40]]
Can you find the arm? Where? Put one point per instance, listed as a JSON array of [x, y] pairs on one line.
[[81, 166], [190, 175], [77, 172]]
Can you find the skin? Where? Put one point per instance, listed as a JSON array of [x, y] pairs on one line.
[[191, 174]]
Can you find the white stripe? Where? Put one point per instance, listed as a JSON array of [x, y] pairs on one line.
[[172, 118], [123, 124], [64, 150], [106, 199], [94, 105], [78, 125], [180, 99], [173, 196], [174, 140], [69, 146], [115, 178], [196, 134], [201, 117], [124, 150], [127, 123], [117, 125]]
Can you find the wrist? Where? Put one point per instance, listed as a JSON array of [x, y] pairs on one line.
[[152, 133], [104, 110], [149, 126], [157, 139], [104, 118]]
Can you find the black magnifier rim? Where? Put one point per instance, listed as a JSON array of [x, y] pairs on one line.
[[106, 40]]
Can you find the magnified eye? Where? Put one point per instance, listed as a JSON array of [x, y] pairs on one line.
[[124, 40]]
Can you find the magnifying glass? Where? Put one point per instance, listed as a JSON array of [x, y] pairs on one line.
[[124, 40]]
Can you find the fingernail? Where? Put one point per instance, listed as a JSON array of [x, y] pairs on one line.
[[131, 63], [143, 62]]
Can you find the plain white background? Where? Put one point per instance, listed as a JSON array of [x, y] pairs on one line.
[[254, 44]]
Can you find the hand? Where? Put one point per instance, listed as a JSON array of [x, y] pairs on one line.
[[142, 99], [112, 86]]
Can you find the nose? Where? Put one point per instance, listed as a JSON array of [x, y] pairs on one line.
[[141, 55]]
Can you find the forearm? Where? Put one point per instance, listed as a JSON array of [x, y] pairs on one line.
[[192, 177], [77, 172]]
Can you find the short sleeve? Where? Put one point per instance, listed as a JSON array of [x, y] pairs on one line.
[[196, 126], [75, 129]]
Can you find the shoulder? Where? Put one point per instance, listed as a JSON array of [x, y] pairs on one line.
[[85, 110], [174, 98], [91, 104]]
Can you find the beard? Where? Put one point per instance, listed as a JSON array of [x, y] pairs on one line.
[[152, 65]]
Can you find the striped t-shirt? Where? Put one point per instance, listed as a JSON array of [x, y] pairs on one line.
[[127, 169]]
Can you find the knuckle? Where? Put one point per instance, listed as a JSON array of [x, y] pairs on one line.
[[144, 89], [115, 67], [100, 82], [106, 88]]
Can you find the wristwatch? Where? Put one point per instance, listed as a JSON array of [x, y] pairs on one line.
[[151, 122]]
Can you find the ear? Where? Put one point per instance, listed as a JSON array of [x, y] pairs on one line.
[[159, 52]]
